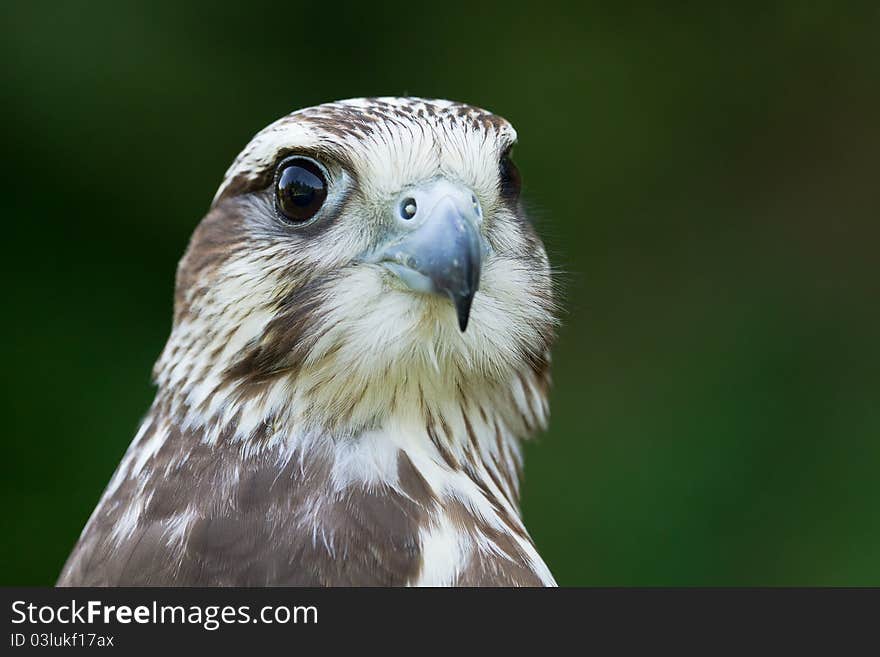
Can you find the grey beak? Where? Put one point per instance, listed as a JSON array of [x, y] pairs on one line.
[[438, 247]]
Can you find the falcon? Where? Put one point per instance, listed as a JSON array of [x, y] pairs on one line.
[[360, 344]]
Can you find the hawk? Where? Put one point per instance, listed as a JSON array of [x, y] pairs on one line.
[[361, 341]]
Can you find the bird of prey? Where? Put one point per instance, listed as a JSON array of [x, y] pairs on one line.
[[361, 341]]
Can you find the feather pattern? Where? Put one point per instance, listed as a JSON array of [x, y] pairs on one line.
[[315, 423]]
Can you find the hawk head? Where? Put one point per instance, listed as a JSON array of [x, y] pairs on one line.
[[362, 258]]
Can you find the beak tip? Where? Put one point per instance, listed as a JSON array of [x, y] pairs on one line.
[[463, 310]]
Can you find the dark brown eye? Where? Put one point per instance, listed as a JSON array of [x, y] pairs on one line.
[[511, 182], [300, 189]]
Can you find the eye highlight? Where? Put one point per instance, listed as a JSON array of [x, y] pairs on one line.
[[300, 189]]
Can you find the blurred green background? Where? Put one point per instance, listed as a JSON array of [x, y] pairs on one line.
[[706, 178]]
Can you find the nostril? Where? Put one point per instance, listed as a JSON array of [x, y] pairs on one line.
[[408, 208]]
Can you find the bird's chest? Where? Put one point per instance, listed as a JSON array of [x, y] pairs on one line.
[[214, 514], [356, 537]]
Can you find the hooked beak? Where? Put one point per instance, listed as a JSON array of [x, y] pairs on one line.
[[436, 245]]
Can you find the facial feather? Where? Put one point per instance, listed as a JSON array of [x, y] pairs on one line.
[[305, 305]]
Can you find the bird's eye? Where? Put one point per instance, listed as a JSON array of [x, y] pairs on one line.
[[300, 189], [511, 182]]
